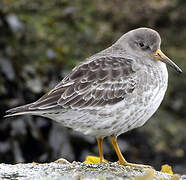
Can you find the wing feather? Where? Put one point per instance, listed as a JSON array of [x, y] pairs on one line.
[[98, 82]]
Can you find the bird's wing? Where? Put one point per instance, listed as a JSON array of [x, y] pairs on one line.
[[102, 81]]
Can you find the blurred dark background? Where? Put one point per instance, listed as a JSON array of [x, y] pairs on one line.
[[41, 41]]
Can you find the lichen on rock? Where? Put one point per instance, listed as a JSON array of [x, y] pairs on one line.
[[76, 170]]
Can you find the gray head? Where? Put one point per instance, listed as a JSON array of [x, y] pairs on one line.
[[145, 42]]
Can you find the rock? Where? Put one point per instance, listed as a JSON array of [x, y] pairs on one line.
[[76, 170]]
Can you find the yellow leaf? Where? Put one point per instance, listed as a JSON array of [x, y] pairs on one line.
[[93, 160], [166, 169]]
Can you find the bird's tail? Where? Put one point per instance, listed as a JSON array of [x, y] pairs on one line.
[[20, 110]]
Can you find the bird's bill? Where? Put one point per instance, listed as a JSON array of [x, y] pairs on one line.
[[159, 55]]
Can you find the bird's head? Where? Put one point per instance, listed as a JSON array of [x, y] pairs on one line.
[[145, 42]]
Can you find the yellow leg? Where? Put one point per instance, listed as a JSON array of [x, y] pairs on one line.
[[122, 160], [100, 141]]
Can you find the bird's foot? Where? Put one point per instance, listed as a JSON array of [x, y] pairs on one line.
[[134, 165]]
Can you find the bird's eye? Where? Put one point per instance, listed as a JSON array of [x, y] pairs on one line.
[[141, 44]]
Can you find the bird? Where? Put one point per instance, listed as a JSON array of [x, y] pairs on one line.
[[110, 93]]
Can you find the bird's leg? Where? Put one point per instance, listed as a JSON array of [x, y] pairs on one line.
[[118, 152], [122, 160], [100, 147]]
